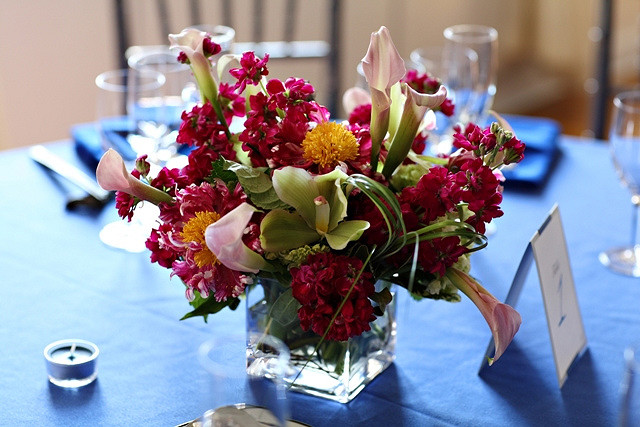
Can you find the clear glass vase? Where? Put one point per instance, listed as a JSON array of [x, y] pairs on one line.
[[336, 370]]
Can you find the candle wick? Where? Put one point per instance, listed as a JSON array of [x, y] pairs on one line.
[[72, 351]]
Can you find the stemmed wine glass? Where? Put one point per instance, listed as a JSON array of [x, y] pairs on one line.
[[116, 91], [457, 70], [624, 143], [157, 118], [483, 41], [478, 100]]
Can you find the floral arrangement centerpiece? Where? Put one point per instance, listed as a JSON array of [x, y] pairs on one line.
[[320, 222]]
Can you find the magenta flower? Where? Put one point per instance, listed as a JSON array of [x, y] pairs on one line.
[[112, 175], [503, 320], [251, 71], [383, 67]]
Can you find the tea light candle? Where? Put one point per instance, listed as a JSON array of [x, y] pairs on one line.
[[71, 363]]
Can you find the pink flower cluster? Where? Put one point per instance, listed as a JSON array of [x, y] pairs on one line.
[[334, 289], [325, 282]]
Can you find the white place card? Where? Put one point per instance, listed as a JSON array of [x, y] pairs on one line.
[[549, 249]]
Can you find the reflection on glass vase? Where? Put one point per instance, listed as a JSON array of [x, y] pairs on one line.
[[336, 370]]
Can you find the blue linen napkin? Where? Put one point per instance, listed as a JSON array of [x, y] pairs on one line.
[[90, 148], [88, 142]]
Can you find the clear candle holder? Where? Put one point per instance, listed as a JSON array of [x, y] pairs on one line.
[[71, 363]]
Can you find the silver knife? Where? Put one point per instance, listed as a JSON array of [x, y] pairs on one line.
[[46, 158]]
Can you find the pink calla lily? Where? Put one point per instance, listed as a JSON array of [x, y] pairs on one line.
[[415, 107], [383, 67], [112, 175], [354, 97], [190, 41], [503, 320], [224, 239]]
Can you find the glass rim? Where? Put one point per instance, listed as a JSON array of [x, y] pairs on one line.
[[621, 101], [422, 53], [223, 33], [467, 32], [102, 80], [171, 64]]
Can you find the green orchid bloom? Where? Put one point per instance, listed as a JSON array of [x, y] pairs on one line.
[[320, 206]]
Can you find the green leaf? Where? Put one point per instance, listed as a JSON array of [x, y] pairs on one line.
[[383, 299], [204, 307], [257, 185], [285, 309], [218, 171]]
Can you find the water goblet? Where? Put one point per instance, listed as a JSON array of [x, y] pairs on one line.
[[624, 144], [157, 117], [115, 126], [117, 90], [245, 380], [483, 41], [458, 72]]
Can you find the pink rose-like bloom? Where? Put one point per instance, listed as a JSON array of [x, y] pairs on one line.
[[169, 247], [321, 284]]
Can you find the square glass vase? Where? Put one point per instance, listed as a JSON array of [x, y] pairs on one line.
[[335, 370]]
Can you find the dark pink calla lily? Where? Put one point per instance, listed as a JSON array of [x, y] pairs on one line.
[[383, 67], [503, 320], [112, 175]]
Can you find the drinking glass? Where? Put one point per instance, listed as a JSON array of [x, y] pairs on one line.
[[157, 117], [483, 41], [629, 413], [624, 144], [245, 379], [117, 90], [458, 72], [116, 128]]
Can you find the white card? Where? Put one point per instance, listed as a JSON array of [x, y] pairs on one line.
[[558, 291], [549, 248]]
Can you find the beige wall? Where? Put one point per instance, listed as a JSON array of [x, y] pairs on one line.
[[51, 51]]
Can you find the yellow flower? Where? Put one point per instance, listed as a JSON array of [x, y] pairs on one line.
[[193, 231], [328, 144]]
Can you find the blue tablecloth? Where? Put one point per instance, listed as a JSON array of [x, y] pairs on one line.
[[59, 281]]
